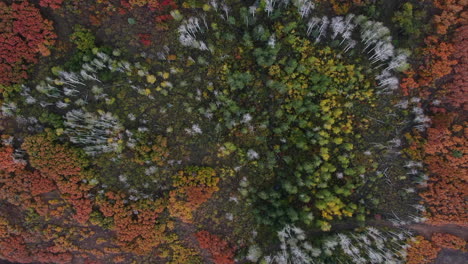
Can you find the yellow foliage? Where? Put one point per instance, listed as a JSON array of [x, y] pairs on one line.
[[151, 78]]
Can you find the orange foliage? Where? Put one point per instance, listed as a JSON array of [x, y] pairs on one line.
[[452, 13], [7, 162], [442, 78], [18, 185], [185, 200], [118, 259], [157, 152], [63, 166], [57, 161], [448, 241], [421, 251], [219, 249], [194, 186], [59, 172], [4, 227], [437, 64], [446, 158], [437, 53], [136, 224], [342, 7]]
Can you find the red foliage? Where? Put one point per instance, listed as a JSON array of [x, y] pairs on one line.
[[40, 184], [457, 89], [219, 249], [54, 4], [13, 248], [145, 39], [83, 208], [163, 18], [125, 4], [153, 5], [22, 248], [14, 179], [23, 34], [170, 4]]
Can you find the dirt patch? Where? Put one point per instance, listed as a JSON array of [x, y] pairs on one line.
[[449, 256], [428, 230]]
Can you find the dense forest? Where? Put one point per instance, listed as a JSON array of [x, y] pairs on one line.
[[229, 131]]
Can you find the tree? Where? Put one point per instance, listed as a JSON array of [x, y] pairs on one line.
[[457, 89], [446, 158], [83, 38], [421, 251], [151, 4], [194, 186], [452, 14], [65, 167], [54, 4], [444, 150], [23, 34], [136, 225], [444, 240], [219, 249], [410, 21], [437, 53]]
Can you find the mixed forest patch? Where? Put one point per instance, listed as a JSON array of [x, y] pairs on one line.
[[270, 131]]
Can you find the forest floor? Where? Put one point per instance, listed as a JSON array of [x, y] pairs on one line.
[[427, 230], [450, 256]]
